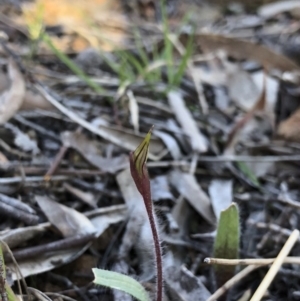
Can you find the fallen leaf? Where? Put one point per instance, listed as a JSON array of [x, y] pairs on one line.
[[246, 50], [134, 111], [241, 88], [22, 140], [11, 99], [220, 192], [33, 101], [187, 185], [17, 237], [272, 9], [160, 189], [187, 122], [90, 151], [289, 128], [170, 143], [184, 286], [67, 220], [86, 197]]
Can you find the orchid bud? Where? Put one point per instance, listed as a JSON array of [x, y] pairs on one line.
[[138, 167]]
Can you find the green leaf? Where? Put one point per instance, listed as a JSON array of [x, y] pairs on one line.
[[121, 282], [227, 242]]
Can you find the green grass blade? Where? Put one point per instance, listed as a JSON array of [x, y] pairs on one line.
[[142, 53], [71, 65], [168, 45], [131, 60], [121, 282], [248, 173], [227, 242], [184, 61]]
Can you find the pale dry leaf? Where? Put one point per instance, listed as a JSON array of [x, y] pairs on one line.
[[170, 143], [241, 49], [134, 111], [11, 99], [67, 220], [86, 197], [243, 128], [17, 237], [184, 286], [22, 140], [33, 101], [241, 88], [187, 185], [101, 219], [187, 122], [289, 128], [271, 85], [272, 9], [160, 189], [220, 192], [46, 262], [90, 151]]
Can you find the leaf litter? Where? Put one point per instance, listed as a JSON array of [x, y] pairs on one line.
[[68, 202]]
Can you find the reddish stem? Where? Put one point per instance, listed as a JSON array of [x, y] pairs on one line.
[[158, 253]]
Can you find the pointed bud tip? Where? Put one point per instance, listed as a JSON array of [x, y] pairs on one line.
[[139, 157]]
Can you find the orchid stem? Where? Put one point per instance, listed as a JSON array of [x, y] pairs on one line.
[[158, 252]]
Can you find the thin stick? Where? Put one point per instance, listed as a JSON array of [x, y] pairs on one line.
[[276, 266], [250, 261]]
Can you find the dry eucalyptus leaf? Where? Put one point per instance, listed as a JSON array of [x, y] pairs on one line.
[[170, 143], [221, 195], [90, 151], [67, 220], [12, 99], [187, 185], [289, 128], [86, 197], [187, 122], [241, 88]]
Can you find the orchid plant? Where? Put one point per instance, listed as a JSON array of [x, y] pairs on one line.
[[140, 175]]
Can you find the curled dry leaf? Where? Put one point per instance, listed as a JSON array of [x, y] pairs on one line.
[[11, 99]]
